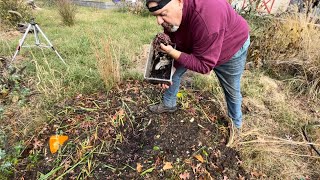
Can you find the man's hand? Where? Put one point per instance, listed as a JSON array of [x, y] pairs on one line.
[[175, 54], [167, 49], [165, 86]]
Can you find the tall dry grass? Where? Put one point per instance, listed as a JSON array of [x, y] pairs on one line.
[[108, 62], [67, 11], [49, 80], [272, 141], [289, 47]]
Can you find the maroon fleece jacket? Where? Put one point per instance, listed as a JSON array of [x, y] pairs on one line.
[[211, 32]]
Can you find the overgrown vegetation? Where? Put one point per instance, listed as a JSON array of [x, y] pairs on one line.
[[13, 12], [288, 47], [101, 48]]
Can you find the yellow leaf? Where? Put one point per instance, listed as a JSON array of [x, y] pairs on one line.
[[15, 99], [179, 95], [139, 167], [167, 165], [4, 92], [188, 161], [56, 141], [199, 157]]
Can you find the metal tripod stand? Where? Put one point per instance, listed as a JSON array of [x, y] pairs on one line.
[[36, 29]]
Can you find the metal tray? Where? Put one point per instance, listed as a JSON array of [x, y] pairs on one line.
[[148, 68]]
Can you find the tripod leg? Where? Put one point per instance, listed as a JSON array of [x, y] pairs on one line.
[[21, 41], [45, 37], [36, 35]]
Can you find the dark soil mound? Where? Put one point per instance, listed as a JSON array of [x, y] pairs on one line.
[[114, 136]]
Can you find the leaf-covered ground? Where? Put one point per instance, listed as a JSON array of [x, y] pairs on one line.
[[114, 136]]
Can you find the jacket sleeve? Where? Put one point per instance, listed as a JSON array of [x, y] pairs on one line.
[[205, 52]]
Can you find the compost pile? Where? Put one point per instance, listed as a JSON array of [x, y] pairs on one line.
[[161, 62], [161, 38]]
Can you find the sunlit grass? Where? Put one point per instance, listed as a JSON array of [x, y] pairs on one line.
[[127, 33]]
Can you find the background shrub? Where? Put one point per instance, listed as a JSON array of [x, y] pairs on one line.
[[139, 7], [67, 11]]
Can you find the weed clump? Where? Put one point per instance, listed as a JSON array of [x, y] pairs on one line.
[[67, 11], [108, 63]]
